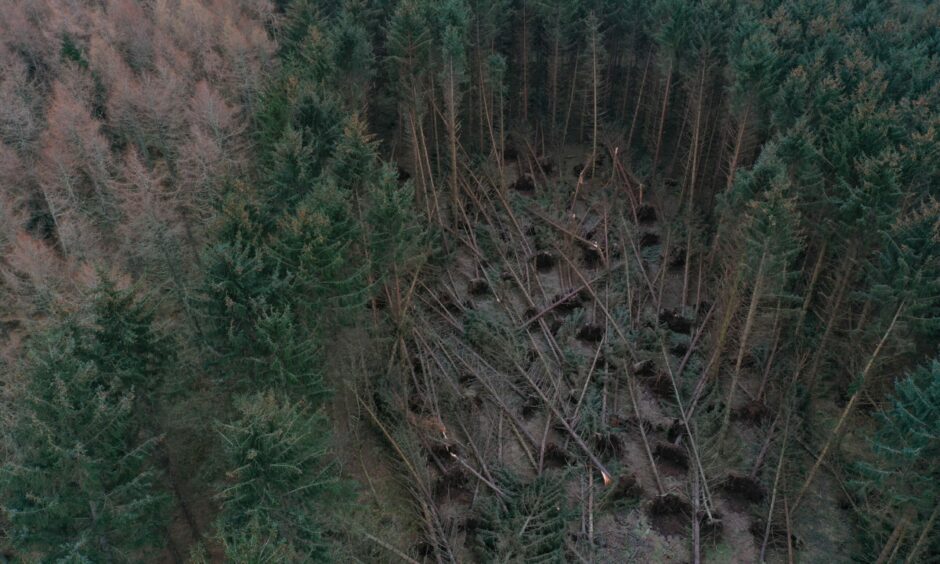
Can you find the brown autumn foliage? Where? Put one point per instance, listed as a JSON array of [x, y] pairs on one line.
[[119, 122]]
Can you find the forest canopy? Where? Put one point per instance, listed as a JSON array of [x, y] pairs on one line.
[[469, 281]]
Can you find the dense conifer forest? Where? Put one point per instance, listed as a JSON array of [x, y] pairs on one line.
[[470, 281]]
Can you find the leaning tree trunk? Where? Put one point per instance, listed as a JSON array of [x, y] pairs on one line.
[[834, 311], [742, 347], [836, 433], [451, 103], [693, 174], [924, 535], [553, 75], [736, 152], [814, 278], [639, 103]]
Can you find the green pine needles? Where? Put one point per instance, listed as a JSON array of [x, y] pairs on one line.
[[83, 487], [281, 478], [527, 524]]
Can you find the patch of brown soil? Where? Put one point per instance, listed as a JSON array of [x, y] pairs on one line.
[[646, 214], [752, 413], [744, 488], [625, 487], [478, 287], [672, 460], [590, 333], [669, 515]]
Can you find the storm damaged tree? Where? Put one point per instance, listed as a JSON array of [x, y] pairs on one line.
[[527, 522], [771, 243], [905, 282], [743, 243]]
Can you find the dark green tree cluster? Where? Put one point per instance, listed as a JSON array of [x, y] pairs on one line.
[[84, 486], [902, 483], [324, 229]]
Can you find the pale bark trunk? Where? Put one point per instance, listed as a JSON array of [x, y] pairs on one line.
[[836, 433], [742, 347]]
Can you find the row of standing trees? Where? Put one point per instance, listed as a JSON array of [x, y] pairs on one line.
[[796, 139]]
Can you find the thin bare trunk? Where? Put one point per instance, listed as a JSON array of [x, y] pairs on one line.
[[736, 153], [834, 310], [564, 132], [594, 89], [745, 334], [662, 117], [553, 75], [773, 493], [812, 286], [525, 63], [924, 535], [696, 527], [836, 433], [451, 103], [894, 539], [639, 101], [693, 176]]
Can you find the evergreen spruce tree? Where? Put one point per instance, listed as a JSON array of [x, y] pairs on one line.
[[756, 64], [124, 340], [242, 281], [352, 60], [398, 242], [318, 246], [909, 292], [285, 356], [83, 487], [526, 523], [281, 481], [902, 482], [292, 172], [355, 163]]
